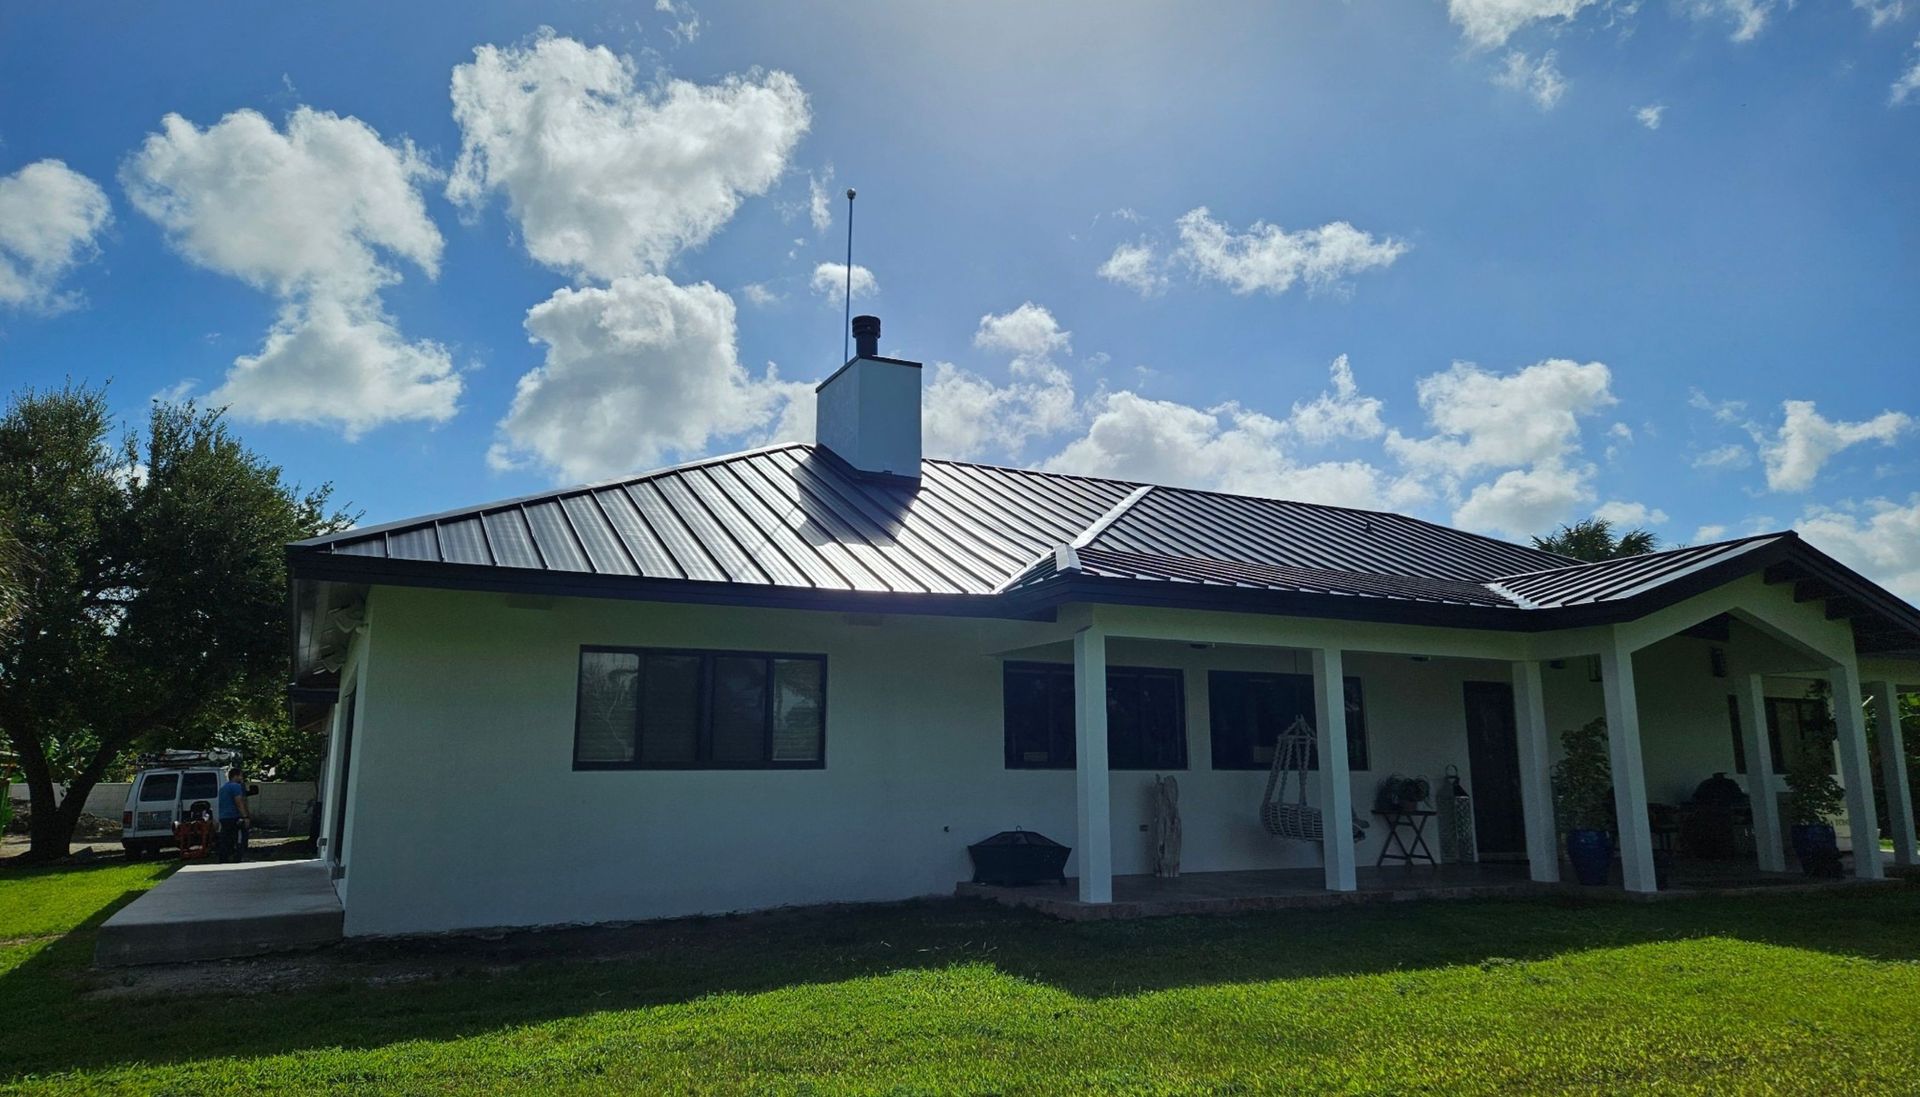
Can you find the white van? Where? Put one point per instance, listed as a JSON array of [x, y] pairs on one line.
[[169, 785]]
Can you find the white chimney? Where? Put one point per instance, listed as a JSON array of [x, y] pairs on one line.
[[868, 412]]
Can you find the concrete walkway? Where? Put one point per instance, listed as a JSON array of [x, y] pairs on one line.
[[215, 912]]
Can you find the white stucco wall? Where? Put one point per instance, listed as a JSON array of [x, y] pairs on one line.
[[465, 810]]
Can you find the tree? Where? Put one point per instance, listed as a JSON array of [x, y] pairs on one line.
[[156, 608], [1593, 539]]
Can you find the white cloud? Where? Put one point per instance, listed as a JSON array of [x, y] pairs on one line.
[[1749, 17], [1485, 421], [341, 363], [311, 215], [1137, 267], [1723, 411], [967, 415], [1520, 502], [1270, 259], [1806, 440], [1908, 82], [305, 211], [1029, 331], [606, 177], [1340, 412], [1709, 534], [758, 295], [964, 415], [1489, 23], [1729, 456], [1526, 423], [820, 201], [633, 372], [1540, 78], [830, 281], [685, 27], [1881, 13], [1626, 515], [1651, 115], [1227, 448], [51, 218], [1880, 539]]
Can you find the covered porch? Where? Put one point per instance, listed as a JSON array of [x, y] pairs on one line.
[[1679, 686]]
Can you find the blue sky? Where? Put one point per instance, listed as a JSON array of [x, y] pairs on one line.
[[1501, 263]]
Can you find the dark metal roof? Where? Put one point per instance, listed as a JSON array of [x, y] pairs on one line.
[[794, 525], [1106, 564], [1612, 580], [786, 516]]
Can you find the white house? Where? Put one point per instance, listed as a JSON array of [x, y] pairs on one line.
[[814, 673]]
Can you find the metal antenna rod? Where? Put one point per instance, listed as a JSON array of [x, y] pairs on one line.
[[846, 322]]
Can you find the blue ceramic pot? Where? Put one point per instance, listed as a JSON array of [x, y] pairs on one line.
[[1591, 852], [1809, 839]]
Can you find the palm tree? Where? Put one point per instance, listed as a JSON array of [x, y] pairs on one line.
[[1593, 539]]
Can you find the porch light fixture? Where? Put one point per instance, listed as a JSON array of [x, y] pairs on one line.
[[1717, 661], [1593, 668]]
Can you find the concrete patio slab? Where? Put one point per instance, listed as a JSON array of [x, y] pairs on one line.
[[1297, 889], [216, 912]]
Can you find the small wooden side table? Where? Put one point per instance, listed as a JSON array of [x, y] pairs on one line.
[[1406, 837]]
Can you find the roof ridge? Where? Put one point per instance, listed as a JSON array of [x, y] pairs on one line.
[[1114, 513]]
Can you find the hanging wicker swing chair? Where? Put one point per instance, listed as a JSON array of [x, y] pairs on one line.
[[1295, 818]]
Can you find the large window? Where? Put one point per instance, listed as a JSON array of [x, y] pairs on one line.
[[658, 709], [1146, 717], [1250, 710]]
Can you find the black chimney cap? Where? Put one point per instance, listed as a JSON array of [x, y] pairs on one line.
[[866, 336]]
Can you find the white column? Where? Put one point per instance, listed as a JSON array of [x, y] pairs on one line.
[[1091, 779], [1629, 773], [1336, 782], [1769, 844], [1893, 770], [1855, 772], [1536, 774]]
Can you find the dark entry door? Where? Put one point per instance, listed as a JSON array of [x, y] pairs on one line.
[[1493, 753]]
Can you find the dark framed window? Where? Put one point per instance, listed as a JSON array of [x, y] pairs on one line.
[[1788, 720], [160, 787], [657, 708], [1790, 709], [1249, 710], [1146, 717]]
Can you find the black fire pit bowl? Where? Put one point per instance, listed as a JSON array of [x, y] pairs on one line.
[[1018, 857]]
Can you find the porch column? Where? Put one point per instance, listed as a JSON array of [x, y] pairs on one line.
[[1855, 772], [1893, 770], [1629, 772], [1769, 847], [1536, 775], [1336, 781], [1095, 828]]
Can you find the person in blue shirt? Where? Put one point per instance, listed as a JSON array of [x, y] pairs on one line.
[[234, 815]]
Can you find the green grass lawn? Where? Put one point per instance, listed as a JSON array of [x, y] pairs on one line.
[[1796, 994]]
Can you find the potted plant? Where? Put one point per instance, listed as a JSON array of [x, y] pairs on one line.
[[1813, 795], [1398, 793], [1582, 794]]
